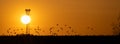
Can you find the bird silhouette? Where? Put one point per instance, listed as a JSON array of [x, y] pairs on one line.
[[65, 25], [119, 24], [43, 31], [57, 24], [14, 32], [58, 30], [37, 32], [35, 29], [61, 28], [69, 27], [7, 31], [54, 34], [92, 29], [51, 28], [21, 29]]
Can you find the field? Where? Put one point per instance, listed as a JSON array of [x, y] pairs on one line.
[[30, 39]]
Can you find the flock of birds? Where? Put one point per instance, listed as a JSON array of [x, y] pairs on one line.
[[54, 30]]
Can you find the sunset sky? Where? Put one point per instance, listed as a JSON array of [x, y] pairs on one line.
[[98, 15]]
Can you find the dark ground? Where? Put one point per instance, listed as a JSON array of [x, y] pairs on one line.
[[30, 39]]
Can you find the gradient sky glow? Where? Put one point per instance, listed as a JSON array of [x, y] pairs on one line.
[[79, 14]]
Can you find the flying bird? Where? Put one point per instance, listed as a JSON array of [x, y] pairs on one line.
[[21, 29], [54, 34], [58, 30], [69, 27], [7, 31], [57, 24], [65, 25], [61, 28], [14, 32], [37, 32], [92, 29]]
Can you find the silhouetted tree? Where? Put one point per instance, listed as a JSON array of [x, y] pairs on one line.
[[116, 26]]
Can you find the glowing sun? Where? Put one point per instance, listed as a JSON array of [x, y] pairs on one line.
[[25, 19]]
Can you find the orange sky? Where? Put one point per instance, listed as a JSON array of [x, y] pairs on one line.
[[79, 14]]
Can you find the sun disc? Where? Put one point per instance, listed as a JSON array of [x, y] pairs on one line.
[[25, 19]]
